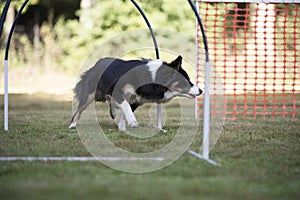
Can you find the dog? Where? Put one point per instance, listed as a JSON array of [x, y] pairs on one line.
[[126, 85]]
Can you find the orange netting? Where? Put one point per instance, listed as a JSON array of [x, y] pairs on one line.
[[255, 55]]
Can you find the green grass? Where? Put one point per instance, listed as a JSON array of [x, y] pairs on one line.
[[260, 159]]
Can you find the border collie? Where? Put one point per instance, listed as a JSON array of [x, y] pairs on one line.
[[125, 85]]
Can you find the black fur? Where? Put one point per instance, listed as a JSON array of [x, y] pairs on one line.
[[109, 77]]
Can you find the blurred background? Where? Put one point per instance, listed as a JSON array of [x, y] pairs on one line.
[[53, 38]]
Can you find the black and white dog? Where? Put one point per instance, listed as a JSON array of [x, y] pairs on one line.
[[125, 85]]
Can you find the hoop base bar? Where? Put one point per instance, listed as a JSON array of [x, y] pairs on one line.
[[77, 158], [161, 129], [204, 158]]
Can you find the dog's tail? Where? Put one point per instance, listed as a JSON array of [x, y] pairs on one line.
[[89, 81], [84, 87]]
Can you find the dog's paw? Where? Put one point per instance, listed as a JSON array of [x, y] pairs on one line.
[[133, 123], [72, 125], [131, 120], [122, 125], [122, 129]]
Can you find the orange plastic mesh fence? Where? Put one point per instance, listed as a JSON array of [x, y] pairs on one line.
[[255, 58]]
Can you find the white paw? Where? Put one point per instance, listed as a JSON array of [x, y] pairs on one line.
[[121, 128], [133, 123], [131, 120], [72, 125], [122, 124]]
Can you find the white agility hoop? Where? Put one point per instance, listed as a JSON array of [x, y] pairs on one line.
[[206, 104], [6, 61]]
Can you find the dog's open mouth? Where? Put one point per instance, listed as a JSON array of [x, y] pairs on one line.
[[188, 95], [192, 96]]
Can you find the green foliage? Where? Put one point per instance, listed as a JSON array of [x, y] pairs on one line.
[[65, 44]]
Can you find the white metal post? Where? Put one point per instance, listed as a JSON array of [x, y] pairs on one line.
[[206, 104], [197, 60], [6, 95], [206, 114], [159, 124]]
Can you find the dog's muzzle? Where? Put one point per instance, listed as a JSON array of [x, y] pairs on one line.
[[195, 91]]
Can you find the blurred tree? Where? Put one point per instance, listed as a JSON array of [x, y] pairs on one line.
[[61, 34]]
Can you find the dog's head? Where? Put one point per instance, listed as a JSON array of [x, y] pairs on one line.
[[178, 81]]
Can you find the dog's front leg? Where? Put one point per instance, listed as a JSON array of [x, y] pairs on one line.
[[129, 116], [123, 113], [122, 123]]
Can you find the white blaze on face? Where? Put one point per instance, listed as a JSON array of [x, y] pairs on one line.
[[154, 65]]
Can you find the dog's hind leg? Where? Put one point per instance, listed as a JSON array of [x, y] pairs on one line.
[[112, 111], [83, 104]]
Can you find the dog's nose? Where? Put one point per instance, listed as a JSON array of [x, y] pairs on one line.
[[195, 91], [199, 92]]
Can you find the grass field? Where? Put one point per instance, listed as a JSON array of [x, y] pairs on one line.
[[260, 159]]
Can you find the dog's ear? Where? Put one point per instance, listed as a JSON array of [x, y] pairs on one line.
[[176, 64]]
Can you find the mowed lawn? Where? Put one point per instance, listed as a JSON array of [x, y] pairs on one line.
[[260, 159]]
